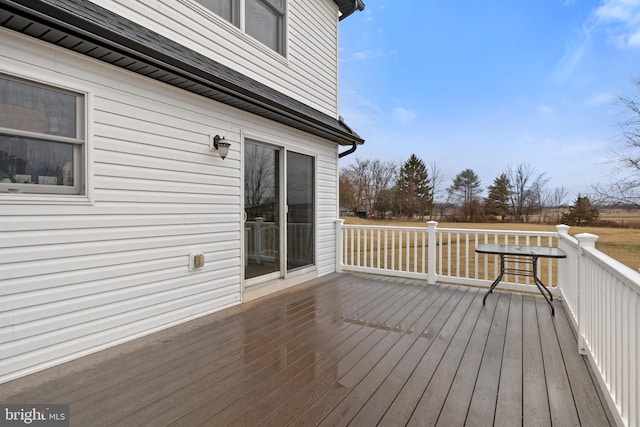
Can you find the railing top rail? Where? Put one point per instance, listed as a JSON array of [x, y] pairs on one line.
[[385, 227], [454, 230], [626, 274], [568, 239], [501, 232]]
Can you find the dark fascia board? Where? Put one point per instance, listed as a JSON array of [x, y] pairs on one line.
[[347, 7], [87, 28]]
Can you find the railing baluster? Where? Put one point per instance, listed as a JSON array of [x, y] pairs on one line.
[[400, 254], [408, 256], [415, 251], [393, 249], [457, 235], [386, 253], [440, 254], [358, 249], [363, 254], [378, 249], [466, 255]]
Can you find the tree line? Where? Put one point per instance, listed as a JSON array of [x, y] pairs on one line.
[[382, 189], [376, 188]]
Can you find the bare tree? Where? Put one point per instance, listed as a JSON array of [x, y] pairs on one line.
[[436, 181], [625, 185], [259, 185], [364, 185], [526, 191], [382, 176], [557, 200]]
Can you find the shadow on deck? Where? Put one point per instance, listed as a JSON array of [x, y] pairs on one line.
[[344, 349]]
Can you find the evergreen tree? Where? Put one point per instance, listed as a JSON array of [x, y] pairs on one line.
[[497, 201], [413, 191], [466, 190], [581, 213]]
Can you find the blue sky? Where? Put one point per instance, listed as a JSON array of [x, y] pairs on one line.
[[492, 84]]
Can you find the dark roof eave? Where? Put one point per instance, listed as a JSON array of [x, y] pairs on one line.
[[347, 7], [72, 24]]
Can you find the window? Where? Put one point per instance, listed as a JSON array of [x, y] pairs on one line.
[[262, 19], [227, 9], [41, 138]]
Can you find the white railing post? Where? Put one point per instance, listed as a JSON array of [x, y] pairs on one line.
[[584, 240], [431, 264], [339, 224]]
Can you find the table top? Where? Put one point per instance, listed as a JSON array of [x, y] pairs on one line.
[[520, 250]]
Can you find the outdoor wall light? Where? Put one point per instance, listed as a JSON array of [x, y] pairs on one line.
[[221, 146]]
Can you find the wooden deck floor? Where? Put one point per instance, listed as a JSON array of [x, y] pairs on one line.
[[344, 350]]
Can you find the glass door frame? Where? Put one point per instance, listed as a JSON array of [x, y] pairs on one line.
[[257, 280], [283, 212], [313, 265]]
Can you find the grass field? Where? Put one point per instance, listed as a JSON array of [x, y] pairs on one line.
[[623, 244]]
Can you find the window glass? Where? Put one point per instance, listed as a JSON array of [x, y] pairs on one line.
[[41, 142], [301, 211], [37, 109], [264, 23], [226, 9], [33, 161], [262, 210], [263, 19]]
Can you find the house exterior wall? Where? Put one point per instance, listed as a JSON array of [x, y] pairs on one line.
[[308, 70], [80, 276]]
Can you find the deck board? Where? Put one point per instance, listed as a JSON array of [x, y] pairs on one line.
[[346, 349], [474, 388], [508, 410]]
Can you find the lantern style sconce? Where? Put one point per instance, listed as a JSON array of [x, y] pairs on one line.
[[219, 144]]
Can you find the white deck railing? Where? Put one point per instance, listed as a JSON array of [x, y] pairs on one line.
[[439, 254], [601, 296], [603, 299]]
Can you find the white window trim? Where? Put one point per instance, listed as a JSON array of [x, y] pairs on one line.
[[87, 196], [240, 31]]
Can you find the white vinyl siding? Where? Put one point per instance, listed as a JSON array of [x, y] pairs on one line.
[[327, 207], [79, 278], [308, 72]]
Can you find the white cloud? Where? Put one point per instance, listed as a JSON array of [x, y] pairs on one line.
[[600, 98], [366, 55], [573, 54], [618, 10], [621, 19], [368, 14], [403, 115]]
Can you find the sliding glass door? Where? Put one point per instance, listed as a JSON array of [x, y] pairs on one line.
[[268, 233]]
